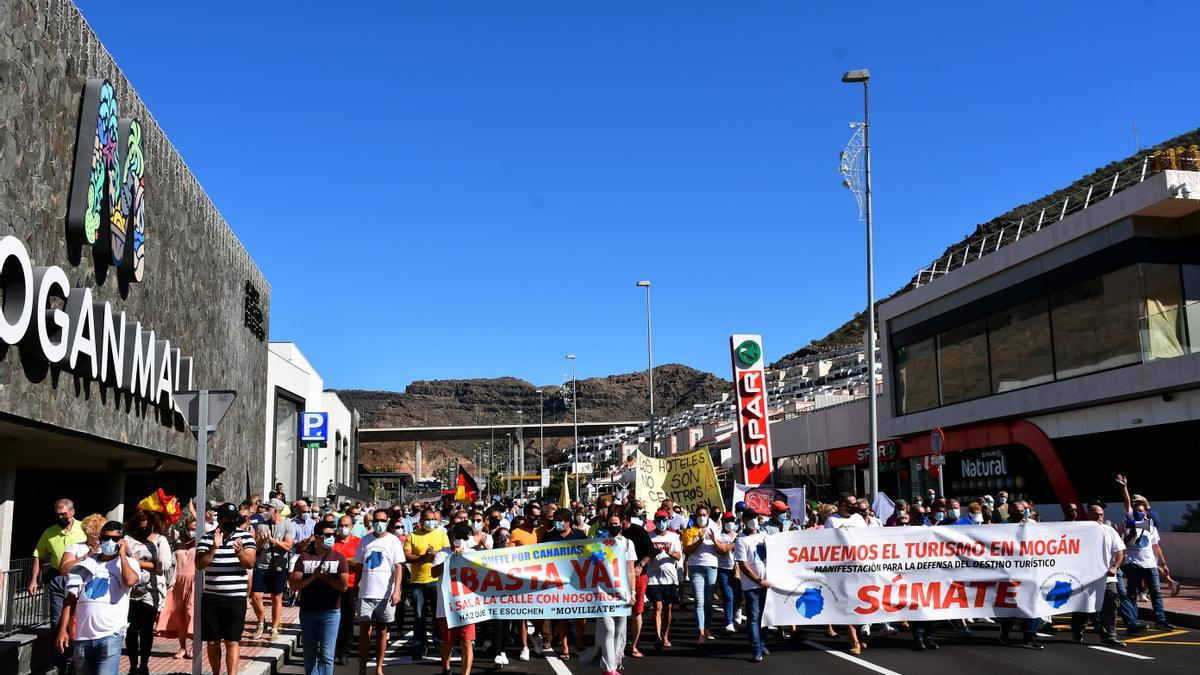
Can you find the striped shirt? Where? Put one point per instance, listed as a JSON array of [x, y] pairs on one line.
[[226, 575]]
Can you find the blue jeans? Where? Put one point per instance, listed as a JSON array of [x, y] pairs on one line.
[[319, 630], [754, 599], [101, 656], [703, 579], [1135, 575], [423, 602], [1125, 606], [730, 590]]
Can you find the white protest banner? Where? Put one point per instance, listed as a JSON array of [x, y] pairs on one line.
[[554, 580], [759, 499], [688, 479], [880, 574]]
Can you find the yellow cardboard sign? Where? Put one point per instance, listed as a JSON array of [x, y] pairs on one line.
[[688, 479]]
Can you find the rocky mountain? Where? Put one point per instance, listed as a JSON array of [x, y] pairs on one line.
[[852, 331], [497, 400]]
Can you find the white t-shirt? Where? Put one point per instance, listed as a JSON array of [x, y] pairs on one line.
[[1140, 551], [662, 569], [1112, 544], [378, 557], [853, 520], [725, 560], [706, 554], [752, 550], [102, 605]]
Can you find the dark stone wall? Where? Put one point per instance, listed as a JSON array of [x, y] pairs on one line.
[[196, 269]]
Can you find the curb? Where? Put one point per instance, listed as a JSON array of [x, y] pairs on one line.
[[1181, 619]]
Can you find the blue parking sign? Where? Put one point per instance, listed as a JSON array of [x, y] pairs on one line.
[[314, 427]]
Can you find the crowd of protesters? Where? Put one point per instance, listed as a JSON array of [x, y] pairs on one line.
[[113, 586]]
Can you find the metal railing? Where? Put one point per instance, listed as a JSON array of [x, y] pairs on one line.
[[1130, 174], [22, 611]]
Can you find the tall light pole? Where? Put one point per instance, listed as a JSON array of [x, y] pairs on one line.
[[575, 413], [649, 363], [511, 455], [859, 181], [541, 434], [521, 452]]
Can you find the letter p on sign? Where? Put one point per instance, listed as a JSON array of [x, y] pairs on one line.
[[314, 427]]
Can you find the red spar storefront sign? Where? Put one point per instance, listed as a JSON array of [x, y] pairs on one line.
[[750, 391]]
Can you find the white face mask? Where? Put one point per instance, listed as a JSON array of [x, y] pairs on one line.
[[976, 518], [459, 543], [701, 521]]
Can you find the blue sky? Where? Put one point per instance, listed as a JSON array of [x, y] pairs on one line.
[[470, 189]]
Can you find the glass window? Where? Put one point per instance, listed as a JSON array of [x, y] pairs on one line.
[[1162, 330], [1019, 343], [963, 362], [916, 377], [287, 424], [1095, 323]]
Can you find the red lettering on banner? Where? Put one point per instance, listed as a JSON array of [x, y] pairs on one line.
[[1006, 594], [492, 582], [899, 595]]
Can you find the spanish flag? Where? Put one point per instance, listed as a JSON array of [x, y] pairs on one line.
[[164, 503], [467, 490]]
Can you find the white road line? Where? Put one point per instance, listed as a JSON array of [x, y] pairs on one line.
[[1122, 653], [559, 667], [853, 659]]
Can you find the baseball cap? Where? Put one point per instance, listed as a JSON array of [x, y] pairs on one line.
[[276, 504], [727, 516], [661, 514], [227, 510], [778, 507]]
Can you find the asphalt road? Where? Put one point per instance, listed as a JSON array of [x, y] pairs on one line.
[[1151, 652]]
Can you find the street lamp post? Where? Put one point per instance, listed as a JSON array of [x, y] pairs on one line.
[[541, 434], [863, 76], [521, 452], [649, 362], [575, 415], [511, 456]]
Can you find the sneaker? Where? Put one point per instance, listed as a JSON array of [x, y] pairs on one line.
[[930, 644], [274, 634], [865, 630], [1164, 625], [524, 655], [765, 651], [918, 646], [259, 629], [1136, 628], [739, 617], [888, 630], [729, 628], [1143, 597], [1077, 638], [501, 659], [758, 658], [1032, 644], [985, 620]]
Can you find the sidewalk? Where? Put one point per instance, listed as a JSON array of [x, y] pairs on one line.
[[1183, 609], [258, 657]]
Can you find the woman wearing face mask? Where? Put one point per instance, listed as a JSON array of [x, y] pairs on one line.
[[727, 578], [176, 616], [701, 545], [611, 630], [749, 551], [150, 550]]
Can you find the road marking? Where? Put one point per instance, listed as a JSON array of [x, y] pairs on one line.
[[1172, 642], [1118, 651], [559, 667], [851, 658], [1149, 638]]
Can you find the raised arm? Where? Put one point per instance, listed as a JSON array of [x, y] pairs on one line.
[[1124, 483]]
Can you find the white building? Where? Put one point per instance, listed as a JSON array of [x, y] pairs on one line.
[[295, 387]]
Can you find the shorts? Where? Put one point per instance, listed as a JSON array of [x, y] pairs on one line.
[[375, 610], [222, 617], [452, 635], [668, 594], [639, 603], [269, 581]]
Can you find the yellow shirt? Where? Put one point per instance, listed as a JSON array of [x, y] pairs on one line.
[[522, 536], [54, 543], [418, 542]]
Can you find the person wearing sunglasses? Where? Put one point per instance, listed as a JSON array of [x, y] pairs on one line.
[[97, 600]]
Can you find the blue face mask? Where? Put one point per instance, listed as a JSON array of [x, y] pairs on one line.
[[784, 520], [1139, 515], [379, 526], [558, 526], [328, 541], [431, 524], [306, 516], [108, 547], [660, 524], [952, 513], [938, 516]]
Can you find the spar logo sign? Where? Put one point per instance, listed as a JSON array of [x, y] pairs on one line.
[[750, 392]]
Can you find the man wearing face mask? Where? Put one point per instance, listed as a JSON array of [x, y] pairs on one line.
[[346, 544], [274, 537], [47, 557], [302, 520], [731, 590], [749, 551], [1002, 506], [847, 514], [1143, 554], [377, 565], [937, 513], [420, 548], [97, 597], [324, 575], [226, 556]]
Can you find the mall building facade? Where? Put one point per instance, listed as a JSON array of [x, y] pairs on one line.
[[122, 285], [1050, 364]]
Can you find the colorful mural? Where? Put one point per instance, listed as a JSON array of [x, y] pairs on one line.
[[107, 204]]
